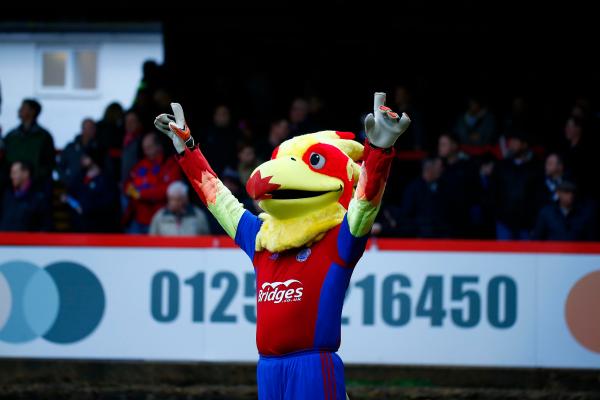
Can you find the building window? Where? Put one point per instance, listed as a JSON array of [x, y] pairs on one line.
[[85, 69], [69, 71], [54, 69]]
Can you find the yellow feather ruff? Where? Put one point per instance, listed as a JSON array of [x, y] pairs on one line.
[[278, 235]]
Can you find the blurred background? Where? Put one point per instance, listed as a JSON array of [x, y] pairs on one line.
[[505, 110]]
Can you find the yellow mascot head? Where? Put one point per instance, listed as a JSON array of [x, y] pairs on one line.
[[305, 188]]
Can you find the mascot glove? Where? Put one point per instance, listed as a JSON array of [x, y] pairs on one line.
[[383, 127], [174, 127]]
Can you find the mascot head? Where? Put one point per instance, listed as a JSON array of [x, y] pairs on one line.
[[305, 188]]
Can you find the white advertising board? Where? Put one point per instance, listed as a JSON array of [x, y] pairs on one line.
[[402, 307]]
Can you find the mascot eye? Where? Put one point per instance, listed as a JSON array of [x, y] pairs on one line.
[[317, 161]]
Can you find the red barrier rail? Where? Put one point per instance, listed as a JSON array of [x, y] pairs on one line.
[[489, 246], [112, 240], [121, 240]]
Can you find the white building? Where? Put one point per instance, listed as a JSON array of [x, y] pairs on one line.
[[74, 74]]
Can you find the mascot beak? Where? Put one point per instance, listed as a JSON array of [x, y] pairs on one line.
[[260, 188], [286, 187]]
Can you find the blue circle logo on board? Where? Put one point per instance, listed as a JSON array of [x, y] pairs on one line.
[[62, 303]]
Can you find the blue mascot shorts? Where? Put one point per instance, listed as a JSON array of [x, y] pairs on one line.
[[310, 375]]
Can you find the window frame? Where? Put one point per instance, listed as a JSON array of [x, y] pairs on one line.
[[68, 90]]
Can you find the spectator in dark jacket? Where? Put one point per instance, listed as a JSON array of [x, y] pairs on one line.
[[521, 118], [424, 203], [147, 185], [477, 126], [554, 175], [247, 162], [579, 156], [482, 213], [300, 119], [131, 143], [278, 133], [221, 138], [110, 133], [110, 129], [31, 143], [568, 219], [23, 207], [414, 137], [145, 108], [69, 161], [460, 179], [93, 197], [514, 185]]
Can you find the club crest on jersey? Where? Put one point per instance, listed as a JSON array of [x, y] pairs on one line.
[[280, 292], [303, 255]]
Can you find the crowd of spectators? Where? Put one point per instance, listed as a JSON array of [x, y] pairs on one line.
[[483, 177]]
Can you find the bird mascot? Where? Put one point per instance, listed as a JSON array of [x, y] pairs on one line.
[[319, 205]]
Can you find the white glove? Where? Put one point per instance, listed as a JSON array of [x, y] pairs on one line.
[[174, 127], [385, 126]]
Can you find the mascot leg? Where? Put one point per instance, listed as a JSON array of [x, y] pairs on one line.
[[309, 375]]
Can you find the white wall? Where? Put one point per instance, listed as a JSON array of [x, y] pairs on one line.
[[120, 59], [17, 69]]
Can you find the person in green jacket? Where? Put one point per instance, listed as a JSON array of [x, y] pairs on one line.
[[31, 143]]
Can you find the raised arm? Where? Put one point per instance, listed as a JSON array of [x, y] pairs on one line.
[[217, 198], [383, 128]]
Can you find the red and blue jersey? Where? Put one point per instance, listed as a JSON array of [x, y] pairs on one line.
[[300, 292]]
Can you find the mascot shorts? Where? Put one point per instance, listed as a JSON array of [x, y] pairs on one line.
[[310, 375]]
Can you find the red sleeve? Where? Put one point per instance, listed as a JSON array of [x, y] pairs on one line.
[[374, 173], [199, 173]]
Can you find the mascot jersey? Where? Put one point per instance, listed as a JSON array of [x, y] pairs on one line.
[[319, 207]]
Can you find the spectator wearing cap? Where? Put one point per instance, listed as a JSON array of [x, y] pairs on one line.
[[569, 219], [24, 208], [513, 185], [31, 143], [477, 126], [459, 178], [69, 161], [146, 187], [92, 197], [179, 217]]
